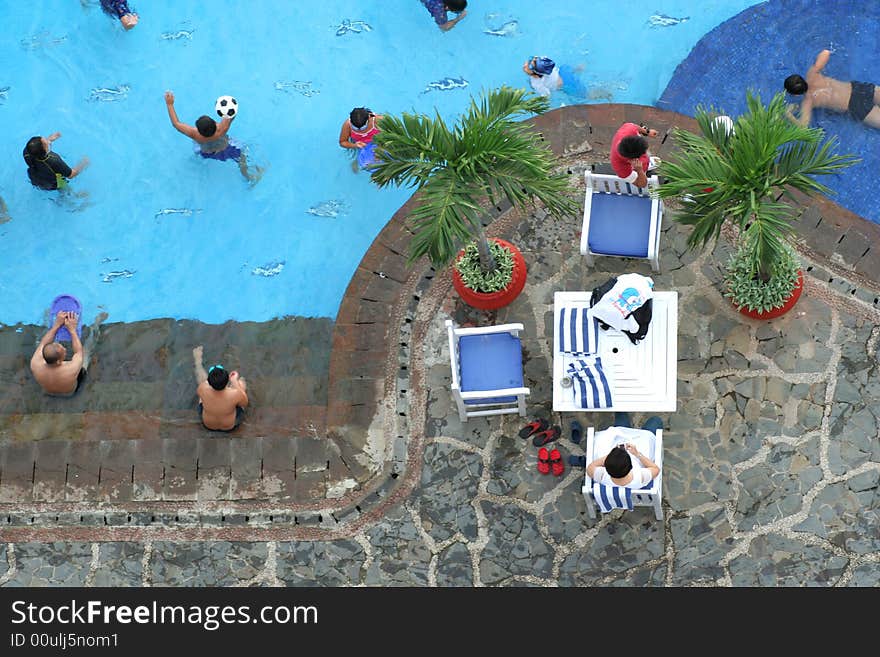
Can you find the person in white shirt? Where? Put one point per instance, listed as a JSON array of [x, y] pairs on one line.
[[617, 467], [543, 75]]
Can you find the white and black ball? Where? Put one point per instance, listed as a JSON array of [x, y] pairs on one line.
[[226, 106]]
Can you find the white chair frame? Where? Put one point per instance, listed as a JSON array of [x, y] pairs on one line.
[[648, 497], [600, 183], [466, 411]]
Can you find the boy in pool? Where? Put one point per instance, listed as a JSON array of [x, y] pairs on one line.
[[222, 395], [119, 9], [212, 140], [46, 169]]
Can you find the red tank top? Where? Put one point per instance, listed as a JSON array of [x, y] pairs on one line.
[[365, 135]]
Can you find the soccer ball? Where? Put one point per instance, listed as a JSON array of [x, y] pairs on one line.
[[226, 106]]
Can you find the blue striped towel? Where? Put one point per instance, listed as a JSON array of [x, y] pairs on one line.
[[590, 384], [615, 497], [578, 330]]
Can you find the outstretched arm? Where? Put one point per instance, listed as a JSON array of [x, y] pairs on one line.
[[450, 24], [181, 127], [806, 113], [821, 60]]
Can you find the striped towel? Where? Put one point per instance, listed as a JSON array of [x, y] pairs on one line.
[[615, 497], [590, 385], [578, 330]]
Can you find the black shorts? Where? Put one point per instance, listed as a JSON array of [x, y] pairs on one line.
[[239, 416], [861, 100]]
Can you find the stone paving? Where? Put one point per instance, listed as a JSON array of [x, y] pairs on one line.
[[771, 463]]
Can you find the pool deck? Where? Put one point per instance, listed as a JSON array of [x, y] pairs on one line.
[[363, 473]]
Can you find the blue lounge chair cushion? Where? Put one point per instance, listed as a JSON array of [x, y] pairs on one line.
[[490, 362], [620, 225]]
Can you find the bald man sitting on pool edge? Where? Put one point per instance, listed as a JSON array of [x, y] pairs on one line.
[[54, 374], [860, 99]]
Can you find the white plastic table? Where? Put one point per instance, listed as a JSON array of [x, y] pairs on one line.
[[644, 375]]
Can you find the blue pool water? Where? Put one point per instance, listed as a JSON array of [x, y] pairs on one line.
[[763, 45], [164, 233]]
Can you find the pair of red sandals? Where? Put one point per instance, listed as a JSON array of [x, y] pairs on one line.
[[550, 462], [542, 433]]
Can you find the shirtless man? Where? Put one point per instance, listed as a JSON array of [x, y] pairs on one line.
[[859, 99], [222, 395], [212, 139], [55, 375]]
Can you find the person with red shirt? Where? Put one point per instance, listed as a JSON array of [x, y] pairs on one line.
[[629, 153]]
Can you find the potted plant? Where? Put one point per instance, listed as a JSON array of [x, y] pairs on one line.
[[740, 175], [489, 154]]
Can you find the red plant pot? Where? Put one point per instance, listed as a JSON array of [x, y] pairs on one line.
[[784, 308], [493, 300]]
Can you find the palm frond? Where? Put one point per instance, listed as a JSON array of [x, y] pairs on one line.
[[739, 177]]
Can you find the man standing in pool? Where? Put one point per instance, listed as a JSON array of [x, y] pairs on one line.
[[211, 137], [222, 395], [860, 99], [54, 374], [439, 10]]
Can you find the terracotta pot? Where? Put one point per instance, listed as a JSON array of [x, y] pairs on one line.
[[493, 300], [784, 308]]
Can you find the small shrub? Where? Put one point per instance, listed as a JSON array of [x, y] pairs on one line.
[[747, 289], [468, 267]]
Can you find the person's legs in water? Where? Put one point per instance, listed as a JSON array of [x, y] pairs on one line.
[[652, 424], [4, 212], [92, 339], [621, 419], [253, 177]]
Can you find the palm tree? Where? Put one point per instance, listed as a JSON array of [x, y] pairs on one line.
[[488, 153], [743, 176]]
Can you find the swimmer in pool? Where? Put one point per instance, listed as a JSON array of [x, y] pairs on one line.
[[211, 137], [860, 99], [119, 9], [358, 131], [56, 376]]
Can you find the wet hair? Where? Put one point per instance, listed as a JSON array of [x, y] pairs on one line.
[[457, 6], [52, 353], [359, 116], [34, 150], [618, 463], [796, 85], [632, 147], [206, 126], [218, 377]]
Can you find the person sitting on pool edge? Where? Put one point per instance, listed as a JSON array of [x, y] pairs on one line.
[[55, 375], [211, 137], [860, 99], [439, 10], [358, 131], [46, 169], [119, 9], [222, 395]]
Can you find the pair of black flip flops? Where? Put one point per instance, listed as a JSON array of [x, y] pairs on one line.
[[540, 431]]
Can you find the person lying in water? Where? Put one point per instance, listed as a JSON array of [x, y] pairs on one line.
[[860, 99], [211, 137]]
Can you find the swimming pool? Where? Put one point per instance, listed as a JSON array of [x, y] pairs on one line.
[[164, 233]]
